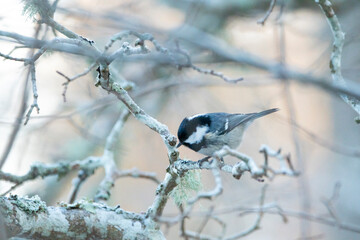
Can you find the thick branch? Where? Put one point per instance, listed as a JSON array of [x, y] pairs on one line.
[[31, 218]]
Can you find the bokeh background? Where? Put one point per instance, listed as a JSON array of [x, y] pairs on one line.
[[316, 127]]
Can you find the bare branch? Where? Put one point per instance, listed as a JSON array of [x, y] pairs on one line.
[[35, 94], [259, 217], [69, 80], [135, 173], [22, 110], [306, 216], [268, 12], [43, 170], [189, 64], [214, 73], [12, 58], [335, 60], [115, 88], [224, 51], [77, 182], [329, 203]]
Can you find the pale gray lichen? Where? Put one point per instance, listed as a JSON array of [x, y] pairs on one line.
[[357, 119], [29, 205], [117, 87], [33, 7], [86, 204], [188, 184]]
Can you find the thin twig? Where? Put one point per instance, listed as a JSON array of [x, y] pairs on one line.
[[182, 224], [69, 80], [206, 219], [268, 12], [103, 192], [189, 64], [135, 173], [329, 203], [13, 58], [43, 170], [22, 110], [35, 94], [257, 222], [77, 182], [218, 185]]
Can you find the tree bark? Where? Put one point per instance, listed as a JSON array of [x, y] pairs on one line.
[[31, 218]]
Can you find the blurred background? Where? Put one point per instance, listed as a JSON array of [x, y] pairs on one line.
[[316, 127]]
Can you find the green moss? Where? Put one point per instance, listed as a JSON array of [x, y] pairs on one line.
[[189, 184]]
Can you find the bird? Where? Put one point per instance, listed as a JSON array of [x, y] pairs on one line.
[[210, 132]]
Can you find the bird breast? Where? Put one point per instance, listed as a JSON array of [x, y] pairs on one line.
[[215, 142]]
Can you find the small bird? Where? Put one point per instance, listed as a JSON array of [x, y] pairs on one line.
[[210, 132]]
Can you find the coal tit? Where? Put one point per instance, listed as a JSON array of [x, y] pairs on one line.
[[210, 132]]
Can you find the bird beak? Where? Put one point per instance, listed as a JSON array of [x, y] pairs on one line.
[[178, 145]]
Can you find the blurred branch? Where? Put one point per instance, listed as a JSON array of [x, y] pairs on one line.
[[189, 64], [13, 58], [46, 12], [307, 216], [135, 173], [69, 80], [268, 12], [77, 182], [103, 192], [273, 208], [335, 60], [74, 46], [210, 214], [334, 147], [329, 203], [225, 51], [218, 185], [207, 41], [257, 222], [22, 110]]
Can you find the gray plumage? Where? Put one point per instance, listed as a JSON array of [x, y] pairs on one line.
[[208, 133]]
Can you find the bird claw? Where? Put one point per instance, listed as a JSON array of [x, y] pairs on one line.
[[201, 161]]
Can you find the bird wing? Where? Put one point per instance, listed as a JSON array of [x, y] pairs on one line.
[[234, 120]]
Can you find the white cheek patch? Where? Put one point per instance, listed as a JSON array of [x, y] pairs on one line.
[[198, 135]]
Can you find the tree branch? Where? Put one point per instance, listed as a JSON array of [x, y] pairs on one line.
[[335, 59], [268, 12], [31, 218]]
